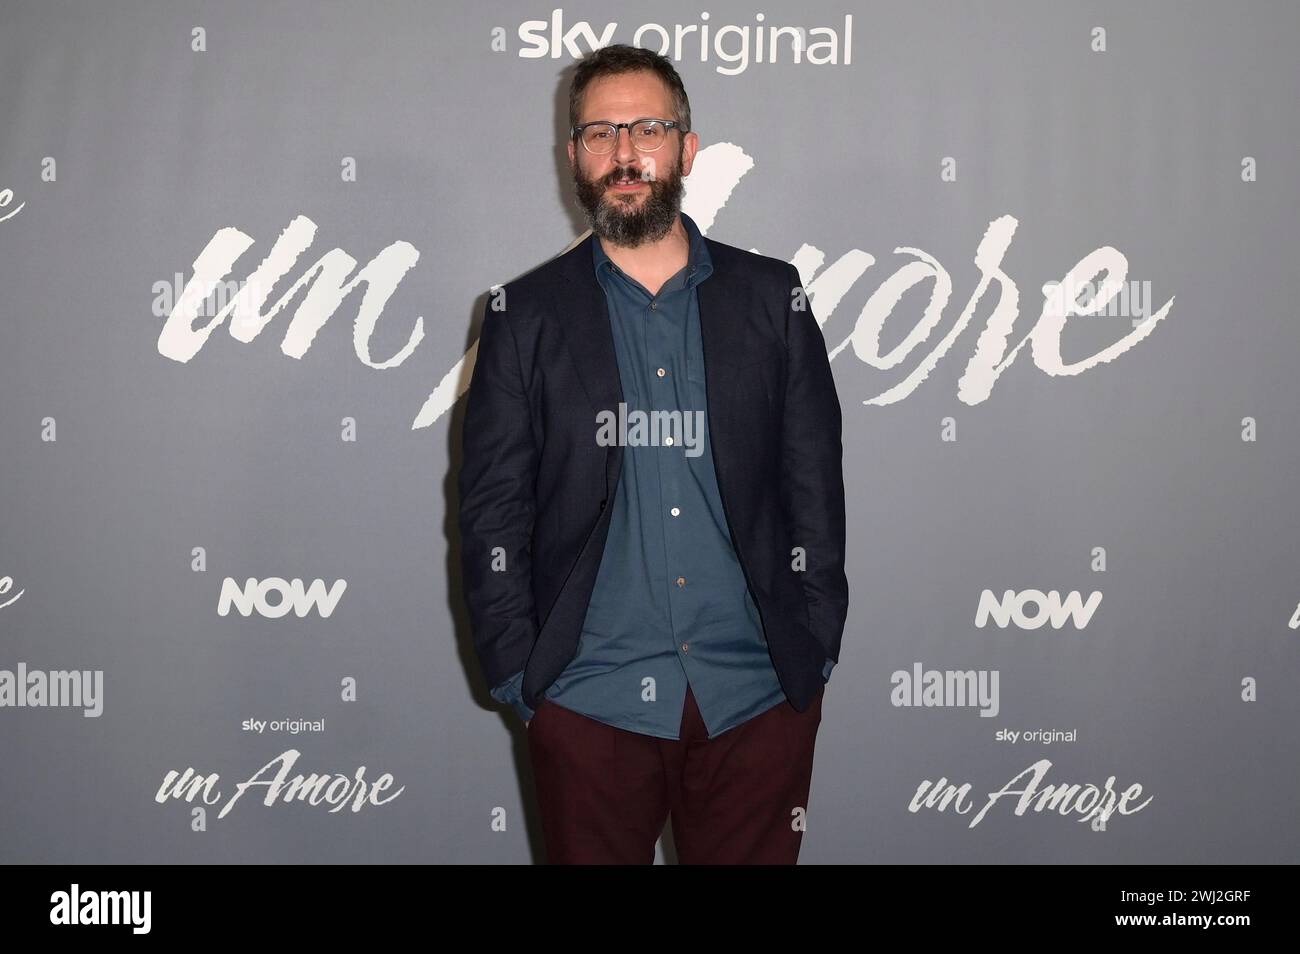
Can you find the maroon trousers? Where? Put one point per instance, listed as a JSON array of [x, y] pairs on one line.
[[605, 793]]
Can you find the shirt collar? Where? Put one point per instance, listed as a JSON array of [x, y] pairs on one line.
[[699, 265]]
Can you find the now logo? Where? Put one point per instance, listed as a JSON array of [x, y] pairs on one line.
[[274, 597], [1049, 607]]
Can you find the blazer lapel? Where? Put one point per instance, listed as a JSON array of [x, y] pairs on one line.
[[584, 318], [718, 298]]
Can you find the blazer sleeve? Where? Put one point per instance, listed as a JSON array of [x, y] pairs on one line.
[[497, 481], [512, 693], [812, 476]]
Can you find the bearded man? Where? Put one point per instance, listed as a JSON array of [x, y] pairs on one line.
[[662, 612]]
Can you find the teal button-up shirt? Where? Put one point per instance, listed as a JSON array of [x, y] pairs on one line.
[[670, 606]]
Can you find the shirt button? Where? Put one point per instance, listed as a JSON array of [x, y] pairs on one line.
[[675, 511], [685, 648], [681, 581], [661, 372], [668, 441]]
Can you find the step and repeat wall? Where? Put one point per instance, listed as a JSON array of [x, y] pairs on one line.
[[244, 252]]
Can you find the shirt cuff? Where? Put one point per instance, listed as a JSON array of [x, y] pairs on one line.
[[826, 670], [511, 692]]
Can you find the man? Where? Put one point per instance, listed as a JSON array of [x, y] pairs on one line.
[[652, 507]]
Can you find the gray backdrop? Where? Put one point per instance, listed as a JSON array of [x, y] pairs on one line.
[[139, 469]]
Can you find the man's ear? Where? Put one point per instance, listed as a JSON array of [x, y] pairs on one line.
[[573, 154], [690, 143]]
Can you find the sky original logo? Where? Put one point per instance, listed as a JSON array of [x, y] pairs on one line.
[[735, 45]]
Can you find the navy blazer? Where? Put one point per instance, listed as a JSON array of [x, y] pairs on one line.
[[534, 482]]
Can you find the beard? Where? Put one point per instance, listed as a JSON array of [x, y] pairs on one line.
[[616, 217]]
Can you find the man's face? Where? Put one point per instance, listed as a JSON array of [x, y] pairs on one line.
[[631, 197]]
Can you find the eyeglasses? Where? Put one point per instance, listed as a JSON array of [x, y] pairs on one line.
[[647, 135]]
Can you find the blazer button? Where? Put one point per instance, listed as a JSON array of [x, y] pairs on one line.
[[602, 505]]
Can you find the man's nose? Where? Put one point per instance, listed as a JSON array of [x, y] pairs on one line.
[[624, 151]]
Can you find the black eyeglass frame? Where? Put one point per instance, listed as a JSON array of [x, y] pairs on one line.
[[576, 132]]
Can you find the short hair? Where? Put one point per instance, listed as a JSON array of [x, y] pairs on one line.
[[619, 58]]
